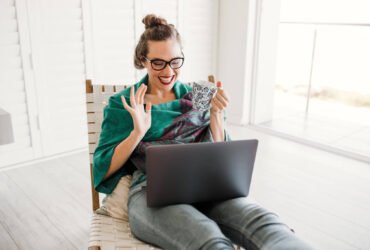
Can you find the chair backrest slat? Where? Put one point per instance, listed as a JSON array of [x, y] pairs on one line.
[[97, 97], [93, 138]]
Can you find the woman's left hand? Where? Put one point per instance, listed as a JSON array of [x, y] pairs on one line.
[[220, 101]]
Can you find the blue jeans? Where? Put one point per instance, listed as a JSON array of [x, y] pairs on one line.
[[214, 225]]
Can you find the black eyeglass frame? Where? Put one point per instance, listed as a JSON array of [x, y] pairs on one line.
[[166, 62]]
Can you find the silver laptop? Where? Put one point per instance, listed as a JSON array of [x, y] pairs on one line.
[[199, 172]]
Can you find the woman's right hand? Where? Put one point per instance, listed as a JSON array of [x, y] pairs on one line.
[[142, 120]]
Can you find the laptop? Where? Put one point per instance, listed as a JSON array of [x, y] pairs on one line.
[[199, 172]]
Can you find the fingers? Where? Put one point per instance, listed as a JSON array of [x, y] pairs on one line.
[[215, 108], [132, 97], [135, 99], [221, 94], [221, 99], [219, 84], [217, 104], [141, 94], [125, 105]]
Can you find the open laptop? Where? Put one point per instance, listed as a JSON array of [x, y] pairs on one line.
[[199, 172]]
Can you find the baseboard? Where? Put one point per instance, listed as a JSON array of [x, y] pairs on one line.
[[43, 159]]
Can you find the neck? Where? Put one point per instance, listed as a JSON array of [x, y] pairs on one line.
[[158, 93]]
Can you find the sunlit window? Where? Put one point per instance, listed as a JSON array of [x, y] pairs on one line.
[[322, 85]]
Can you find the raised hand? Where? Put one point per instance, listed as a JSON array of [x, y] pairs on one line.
[[142, 119]]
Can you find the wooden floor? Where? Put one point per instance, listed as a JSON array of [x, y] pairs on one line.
[[324, 197]]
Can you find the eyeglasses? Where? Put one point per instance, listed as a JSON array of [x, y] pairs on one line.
[[159, 64]]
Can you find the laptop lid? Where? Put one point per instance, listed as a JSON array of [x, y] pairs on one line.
[[199, 172]]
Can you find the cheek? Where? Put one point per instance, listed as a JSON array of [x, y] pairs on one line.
[[152, 73], [177, 72]]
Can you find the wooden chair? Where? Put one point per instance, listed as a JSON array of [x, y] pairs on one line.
[[106, 233]]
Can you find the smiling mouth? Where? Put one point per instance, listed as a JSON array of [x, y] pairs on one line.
[[166, 80]]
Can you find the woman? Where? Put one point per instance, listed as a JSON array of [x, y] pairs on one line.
[[158, 110]]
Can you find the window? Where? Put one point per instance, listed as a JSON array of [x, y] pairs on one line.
[[319, 85]]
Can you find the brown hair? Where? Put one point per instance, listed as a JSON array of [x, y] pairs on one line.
[[156, 29]]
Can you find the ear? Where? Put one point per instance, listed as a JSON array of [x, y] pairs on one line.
[[144, 63]]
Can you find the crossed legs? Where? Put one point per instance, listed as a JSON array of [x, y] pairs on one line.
[[210, 225]]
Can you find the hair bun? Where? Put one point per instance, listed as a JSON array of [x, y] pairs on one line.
[[151, 21]]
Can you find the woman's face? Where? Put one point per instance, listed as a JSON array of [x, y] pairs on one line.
[[164, 79]]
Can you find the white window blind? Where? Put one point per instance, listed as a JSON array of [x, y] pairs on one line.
[[13, 96], [113, 33], [167, 9], [58, 48], [200, 31], [117, 26]]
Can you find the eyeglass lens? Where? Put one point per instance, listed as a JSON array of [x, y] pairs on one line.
[[159, 64]]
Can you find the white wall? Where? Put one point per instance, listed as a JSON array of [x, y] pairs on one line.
[[265, 62], [232, 51], [248, 30]]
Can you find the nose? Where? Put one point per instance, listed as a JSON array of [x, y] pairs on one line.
[[168, 69]]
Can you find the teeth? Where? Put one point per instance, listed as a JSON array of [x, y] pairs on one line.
[[166, 79]]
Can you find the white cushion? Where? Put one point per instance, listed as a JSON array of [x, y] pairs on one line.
[[115, 204]]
